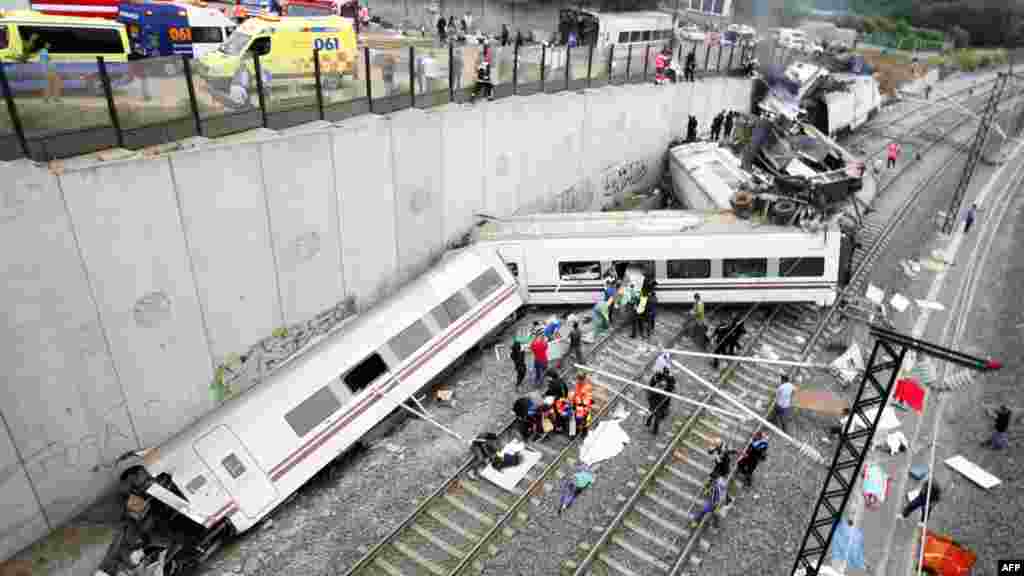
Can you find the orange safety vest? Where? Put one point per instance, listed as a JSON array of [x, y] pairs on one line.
[[583, 397]]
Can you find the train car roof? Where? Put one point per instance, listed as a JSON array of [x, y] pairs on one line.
[[624, 224]]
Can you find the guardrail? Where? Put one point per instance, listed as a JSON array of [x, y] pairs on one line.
[[72, 109]]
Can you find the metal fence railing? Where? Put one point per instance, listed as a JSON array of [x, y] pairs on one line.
[[72, 109]]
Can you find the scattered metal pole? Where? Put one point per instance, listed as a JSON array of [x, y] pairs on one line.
[[319, 86], [669, 394], [369, 82], [642, 408], [193, 103], [515, 64], [590, 63], [629, 61], [568, 62], [12, 110], [259, 88], [804, 449], [543, 64], [451, 72], [109, 93], [647, 56], [426, 417], [752, 359], [412, 76]]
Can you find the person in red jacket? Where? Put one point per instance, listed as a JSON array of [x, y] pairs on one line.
[[539, 347]]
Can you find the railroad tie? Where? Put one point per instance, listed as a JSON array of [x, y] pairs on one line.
[[684, 476], [474, 489], [671, 506], [698, 465], [444, 521], [645, 533], [640, 553], [387, 567], [675, 489], [542, 448], [437, 541], [660, 521], [458, 503], [419, 559], [615, 565]]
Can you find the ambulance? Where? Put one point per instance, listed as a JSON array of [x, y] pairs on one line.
[[173, 28], [285, 46]]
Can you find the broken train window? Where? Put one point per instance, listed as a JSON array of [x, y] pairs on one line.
[[233, 465]]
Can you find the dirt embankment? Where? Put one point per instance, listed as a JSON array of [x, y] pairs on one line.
[[892, 70]]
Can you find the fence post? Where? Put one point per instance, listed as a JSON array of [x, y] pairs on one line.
[[515, 64], [611, 62], [319, 82], [412, 75], [718, 62], [451, 72], [590, 62], [707, 57], [731, 50], [12, 110], [259, 88], [568, 63], [647, 56], [629, 61], [369, 82], [543, 63], [109, 93], [193, 103]]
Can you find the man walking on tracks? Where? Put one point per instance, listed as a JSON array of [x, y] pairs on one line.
[[519, 359], [755, 453], [640, 316], [659, 403], [972, 213], [576, 342], [717, 494], [783, 402]]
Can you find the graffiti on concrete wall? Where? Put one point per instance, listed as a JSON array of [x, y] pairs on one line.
[[240, 371], [622, 178]]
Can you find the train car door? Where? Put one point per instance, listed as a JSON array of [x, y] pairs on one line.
[[237, 471], [512, 256]]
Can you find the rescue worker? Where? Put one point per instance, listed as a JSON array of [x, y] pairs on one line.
[[691, 66], [661, 62], [755, 453], [640, 315], [728, 123], [557, 386], [526, 415], [484, 450], [483, 82], [602, 313], [652, 310], [716, 125], [1000, 438], [539, 347], [659, 403], [583, 402], [723, 459], [519, 359]]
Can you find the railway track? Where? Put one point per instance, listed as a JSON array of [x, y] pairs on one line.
[[652, 533]]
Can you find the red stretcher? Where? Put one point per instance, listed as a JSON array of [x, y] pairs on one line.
[[944, 556]]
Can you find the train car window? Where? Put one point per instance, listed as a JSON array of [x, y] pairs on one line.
[[457, 306], [365, 372], [802, 267], [408, 341], [569, 271], [745, 268], [647, 36], [683, 269], [77, 40], [312, 411], [233, 465], [635, 36], [485, 284], [513, 268], [441, 316], [195, 484], [623, 37]]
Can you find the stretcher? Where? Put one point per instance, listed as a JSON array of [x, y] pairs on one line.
[[944, 556]]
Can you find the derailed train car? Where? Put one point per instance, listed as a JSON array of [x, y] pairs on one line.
[[229, 470]]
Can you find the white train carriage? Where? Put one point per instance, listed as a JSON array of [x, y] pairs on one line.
[[240, 461], [564, 258]]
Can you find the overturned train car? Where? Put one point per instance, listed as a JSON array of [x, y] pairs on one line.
[[230, 469]]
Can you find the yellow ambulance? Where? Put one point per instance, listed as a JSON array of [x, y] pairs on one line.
[[285, 46]]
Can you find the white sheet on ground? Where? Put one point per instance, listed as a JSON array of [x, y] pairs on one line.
[[508, 478], [850, 363], [888, 421], [973, 472], [603, 442]]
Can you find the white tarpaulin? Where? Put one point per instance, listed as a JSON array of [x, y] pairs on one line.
[[850, 363], [888, 421], [508, 478], [604, 442]]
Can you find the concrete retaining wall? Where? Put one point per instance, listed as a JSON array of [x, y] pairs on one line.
[[128, 281]]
